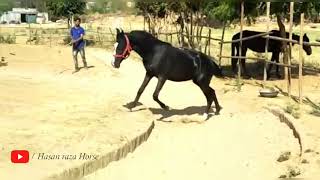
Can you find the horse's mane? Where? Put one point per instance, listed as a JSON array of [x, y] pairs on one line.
[[294, 36], [147, 37]]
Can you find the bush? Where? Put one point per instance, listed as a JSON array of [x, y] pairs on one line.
[[8, 40], [293, 109]]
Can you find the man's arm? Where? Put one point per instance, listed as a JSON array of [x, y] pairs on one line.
[[80, 38], [74, 41]]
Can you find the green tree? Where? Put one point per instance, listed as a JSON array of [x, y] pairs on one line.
[[230, 10], [6, 5], [66, 8]]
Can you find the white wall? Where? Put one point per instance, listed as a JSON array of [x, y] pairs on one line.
[[42, 18], [10, 16]]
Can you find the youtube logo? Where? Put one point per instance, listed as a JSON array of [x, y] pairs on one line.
[[19, 156]]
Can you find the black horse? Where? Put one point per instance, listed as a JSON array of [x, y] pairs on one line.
[[258, 45], [166, 62]]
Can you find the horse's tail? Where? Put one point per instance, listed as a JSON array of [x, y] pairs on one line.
[[216, 70], [213, 67]]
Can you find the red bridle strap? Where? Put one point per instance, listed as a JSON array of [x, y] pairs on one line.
[[126, 51]]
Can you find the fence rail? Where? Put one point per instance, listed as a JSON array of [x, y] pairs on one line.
[[247, 38]]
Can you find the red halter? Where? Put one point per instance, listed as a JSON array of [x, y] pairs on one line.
[[126, 51]]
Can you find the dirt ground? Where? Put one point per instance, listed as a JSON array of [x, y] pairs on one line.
[[46, 108]]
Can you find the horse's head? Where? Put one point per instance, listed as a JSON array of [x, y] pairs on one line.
[[307, 48], [122, 48]]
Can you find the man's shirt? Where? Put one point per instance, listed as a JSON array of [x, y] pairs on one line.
[[76, 33]]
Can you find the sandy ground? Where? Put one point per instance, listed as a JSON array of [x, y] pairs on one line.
[[58, 109], [47, 109]]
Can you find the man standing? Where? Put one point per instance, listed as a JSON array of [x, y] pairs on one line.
[[77, 33]]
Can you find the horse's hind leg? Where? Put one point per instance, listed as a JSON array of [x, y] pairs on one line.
[[243, 62], [234, 61], [210, 96], [160, 84], [275, 57], [270, 65], [277, 66]]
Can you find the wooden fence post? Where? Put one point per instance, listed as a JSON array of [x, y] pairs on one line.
[[284, 48], [240, 47], [290, 47], [209, 43], [266, 48], [221, 44], [144, 23], [113, 36], [301, 57]]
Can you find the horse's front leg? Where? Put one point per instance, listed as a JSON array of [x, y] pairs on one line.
[[161, 81], [144, 84]]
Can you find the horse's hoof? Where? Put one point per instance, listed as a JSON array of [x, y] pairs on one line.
[[205, 116], [218, 111], [268, 76], [167, 108], [130, 105]]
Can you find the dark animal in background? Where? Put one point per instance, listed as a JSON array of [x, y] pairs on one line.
[[165, 62], [258, 45]]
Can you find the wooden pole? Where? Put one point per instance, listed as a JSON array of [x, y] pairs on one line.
[[284, 48], [301, 57], [282, 30], [240, 47], [266, 48], [191, 31], [290, 47], [113, 36], [222, 39], [209, 43], [264, 35]]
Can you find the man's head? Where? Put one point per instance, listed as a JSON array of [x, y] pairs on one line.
[[77, 21]]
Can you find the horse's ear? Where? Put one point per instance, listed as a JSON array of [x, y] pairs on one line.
[[118, 31], [122, 31]]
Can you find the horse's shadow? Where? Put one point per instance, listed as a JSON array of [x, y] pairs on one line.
[[165, 114], [172, 112], [192, 110]]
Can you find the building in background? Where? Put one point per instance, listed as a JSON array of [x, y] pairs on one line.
[[90, 4], [24, 15]]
